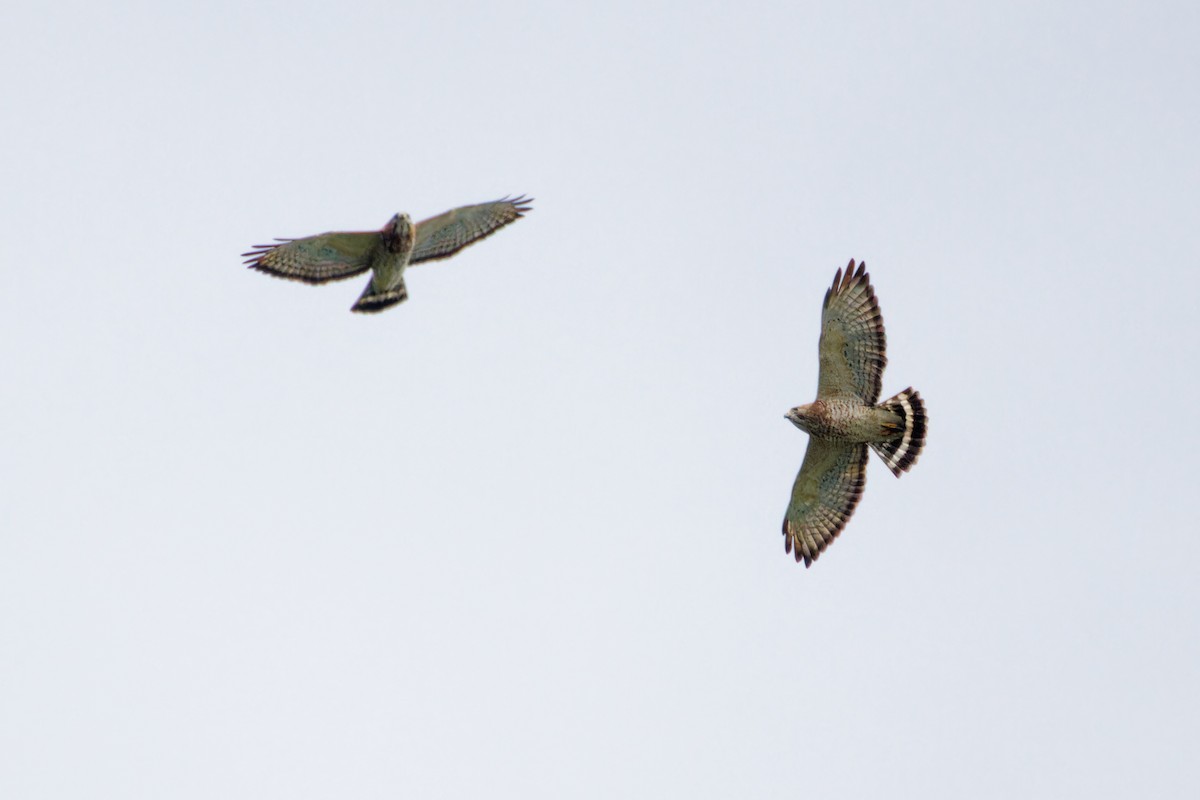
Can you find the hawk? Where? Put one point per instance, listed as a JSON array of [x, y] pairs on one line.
[[387, 252], [845, 419]]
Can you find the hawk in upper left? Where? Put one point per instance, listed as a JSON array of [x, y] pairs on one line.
[[847, 418], [387, 252]]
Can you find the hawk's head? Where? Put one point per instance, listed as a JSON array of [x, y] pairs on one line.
[[800, 416], [399, 233]]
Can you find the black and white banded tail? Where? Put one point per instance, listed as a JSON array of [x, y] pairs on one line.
[[371, 301], [901, 452]]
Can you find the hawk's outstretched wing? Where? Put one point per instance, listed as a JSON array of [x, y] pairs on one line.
[[444, 235], [315, 259], [853, 346], [827, 489]]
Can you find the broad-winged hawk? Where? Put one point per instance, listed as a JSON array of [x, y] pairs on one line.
[[387, 252], [845, 419]]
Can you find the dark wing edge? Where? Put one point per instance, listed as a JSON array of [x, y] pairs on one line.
[[808, 537], [313, 259], [872, 359], [254, 260], [427, 251]]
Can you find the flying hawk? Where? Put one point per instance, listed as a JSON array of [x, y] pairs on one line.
[[387, 252], [845, 418]]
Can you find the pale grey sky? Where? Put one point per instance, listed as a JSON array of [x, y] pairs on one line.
[[519, 537]]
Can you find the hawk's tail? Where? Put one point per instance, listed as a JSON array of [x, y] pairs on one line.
[[372, 301], [901, 452]]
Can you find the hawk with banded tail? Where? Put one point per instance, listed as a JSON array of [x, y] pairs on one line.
[[846, 418], [386, 253]]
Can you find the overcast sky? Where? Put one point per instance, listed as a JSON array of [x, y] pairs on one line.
[[520, 536]]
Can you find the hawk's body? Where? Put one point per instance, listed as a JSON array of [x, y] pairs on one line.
[[387, 253], [845, 419], [388, 262]]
